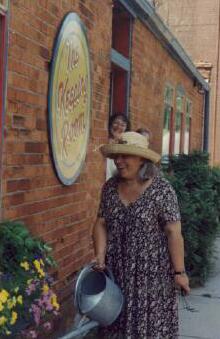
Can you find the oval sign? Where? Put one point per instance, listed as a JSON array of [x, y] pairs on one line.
[[70, 99]]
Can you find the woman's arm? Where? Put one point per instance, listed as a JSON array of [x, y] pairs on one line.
[[99, 242], [176, 250]]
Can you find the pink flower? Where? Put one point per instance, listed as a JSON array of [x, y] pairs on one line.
[[47, 326], [45, 301], [32, 334], [36, 313], [31, 288]]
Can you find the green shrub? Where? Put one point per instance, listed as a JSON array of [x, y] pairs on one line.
[[198, 189]]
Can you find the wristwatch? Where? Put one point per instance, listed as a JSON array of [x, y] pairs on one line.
[[179, 272]]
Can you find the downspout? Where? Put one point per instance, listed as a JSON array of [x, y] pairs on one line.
[[216, 90], [206, 122]]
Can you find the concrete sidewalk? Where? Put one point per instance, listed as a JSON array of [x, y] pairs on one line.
[[204, 323]]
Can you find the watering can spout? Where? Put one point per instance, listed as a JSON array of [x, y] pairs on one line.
[[98, 301]]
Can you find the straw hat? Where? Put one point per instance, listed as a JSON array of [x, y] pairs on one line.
[[131, 143]]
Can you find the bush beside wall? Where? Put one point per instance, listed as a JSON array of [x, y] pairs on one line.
[[198, 189]]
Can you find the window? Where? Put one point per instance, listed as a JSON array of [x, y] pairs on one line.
[[120, 57], [176, 128], [179, 122], [168, 120], [187, 126], [119, 81]]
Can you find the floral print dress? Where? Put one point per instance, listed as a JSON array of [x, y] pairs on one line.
[[137, 253]]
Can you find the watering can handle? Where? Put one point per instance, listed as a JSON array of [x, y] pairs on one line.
[[109, 273], [106, 270]]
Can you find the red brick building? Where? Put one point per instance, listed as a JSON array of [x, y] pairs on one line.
[[196, 25], [137, 67]]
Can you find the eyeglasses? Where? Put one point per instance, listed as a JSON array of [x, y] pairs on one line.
[[119, 123]]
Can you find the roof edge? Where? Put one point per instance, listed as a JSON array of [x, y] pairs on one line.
[[147, 14]]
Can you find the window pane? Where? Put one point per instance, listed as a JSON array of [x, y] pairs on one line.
[[121, 27], [168, 96], [119, 95], [166, 130], [179, 110], [177, 133], [187, 126], [179, 104], [168, 108]]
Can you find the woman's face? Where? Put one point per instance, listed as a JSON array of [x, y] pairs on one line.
[[118, 127], [128, 165]]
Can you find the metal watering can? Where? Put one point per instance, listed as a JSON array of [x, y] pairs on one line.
[[98, 300]]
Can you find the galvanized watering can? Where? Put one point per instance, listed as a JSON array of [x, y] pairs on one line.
[[98, 300]]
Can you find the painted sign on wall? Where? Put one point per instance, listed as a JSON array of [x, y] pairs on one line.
[[70, 99]]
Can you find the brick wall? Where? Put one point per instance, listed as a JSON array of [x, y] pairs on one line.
[[149, 76], [63, 216], [196, 25]]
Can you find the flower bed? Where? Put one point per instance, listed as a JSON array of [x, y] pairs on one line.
[[27, 301]]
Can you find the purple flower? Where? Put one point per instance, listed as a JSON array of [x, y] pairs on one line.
[[31, 288], [29, 334], [50, 280], [45, 301], [36, 313], [32, 334]]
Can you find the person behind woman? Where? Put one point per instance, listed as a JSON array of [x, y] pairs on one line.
[[138, 235], [118, 123], [146, 132]]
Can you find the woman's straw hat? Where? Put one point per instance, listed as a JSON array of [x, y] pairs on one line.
[[131, 143]]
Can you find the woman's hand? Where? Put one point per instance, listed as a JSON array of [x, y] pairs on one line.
[[182, 281], [99, 262]]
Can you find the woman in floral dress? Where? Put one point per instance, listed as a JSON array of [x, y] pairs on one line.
[[138, 235]]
